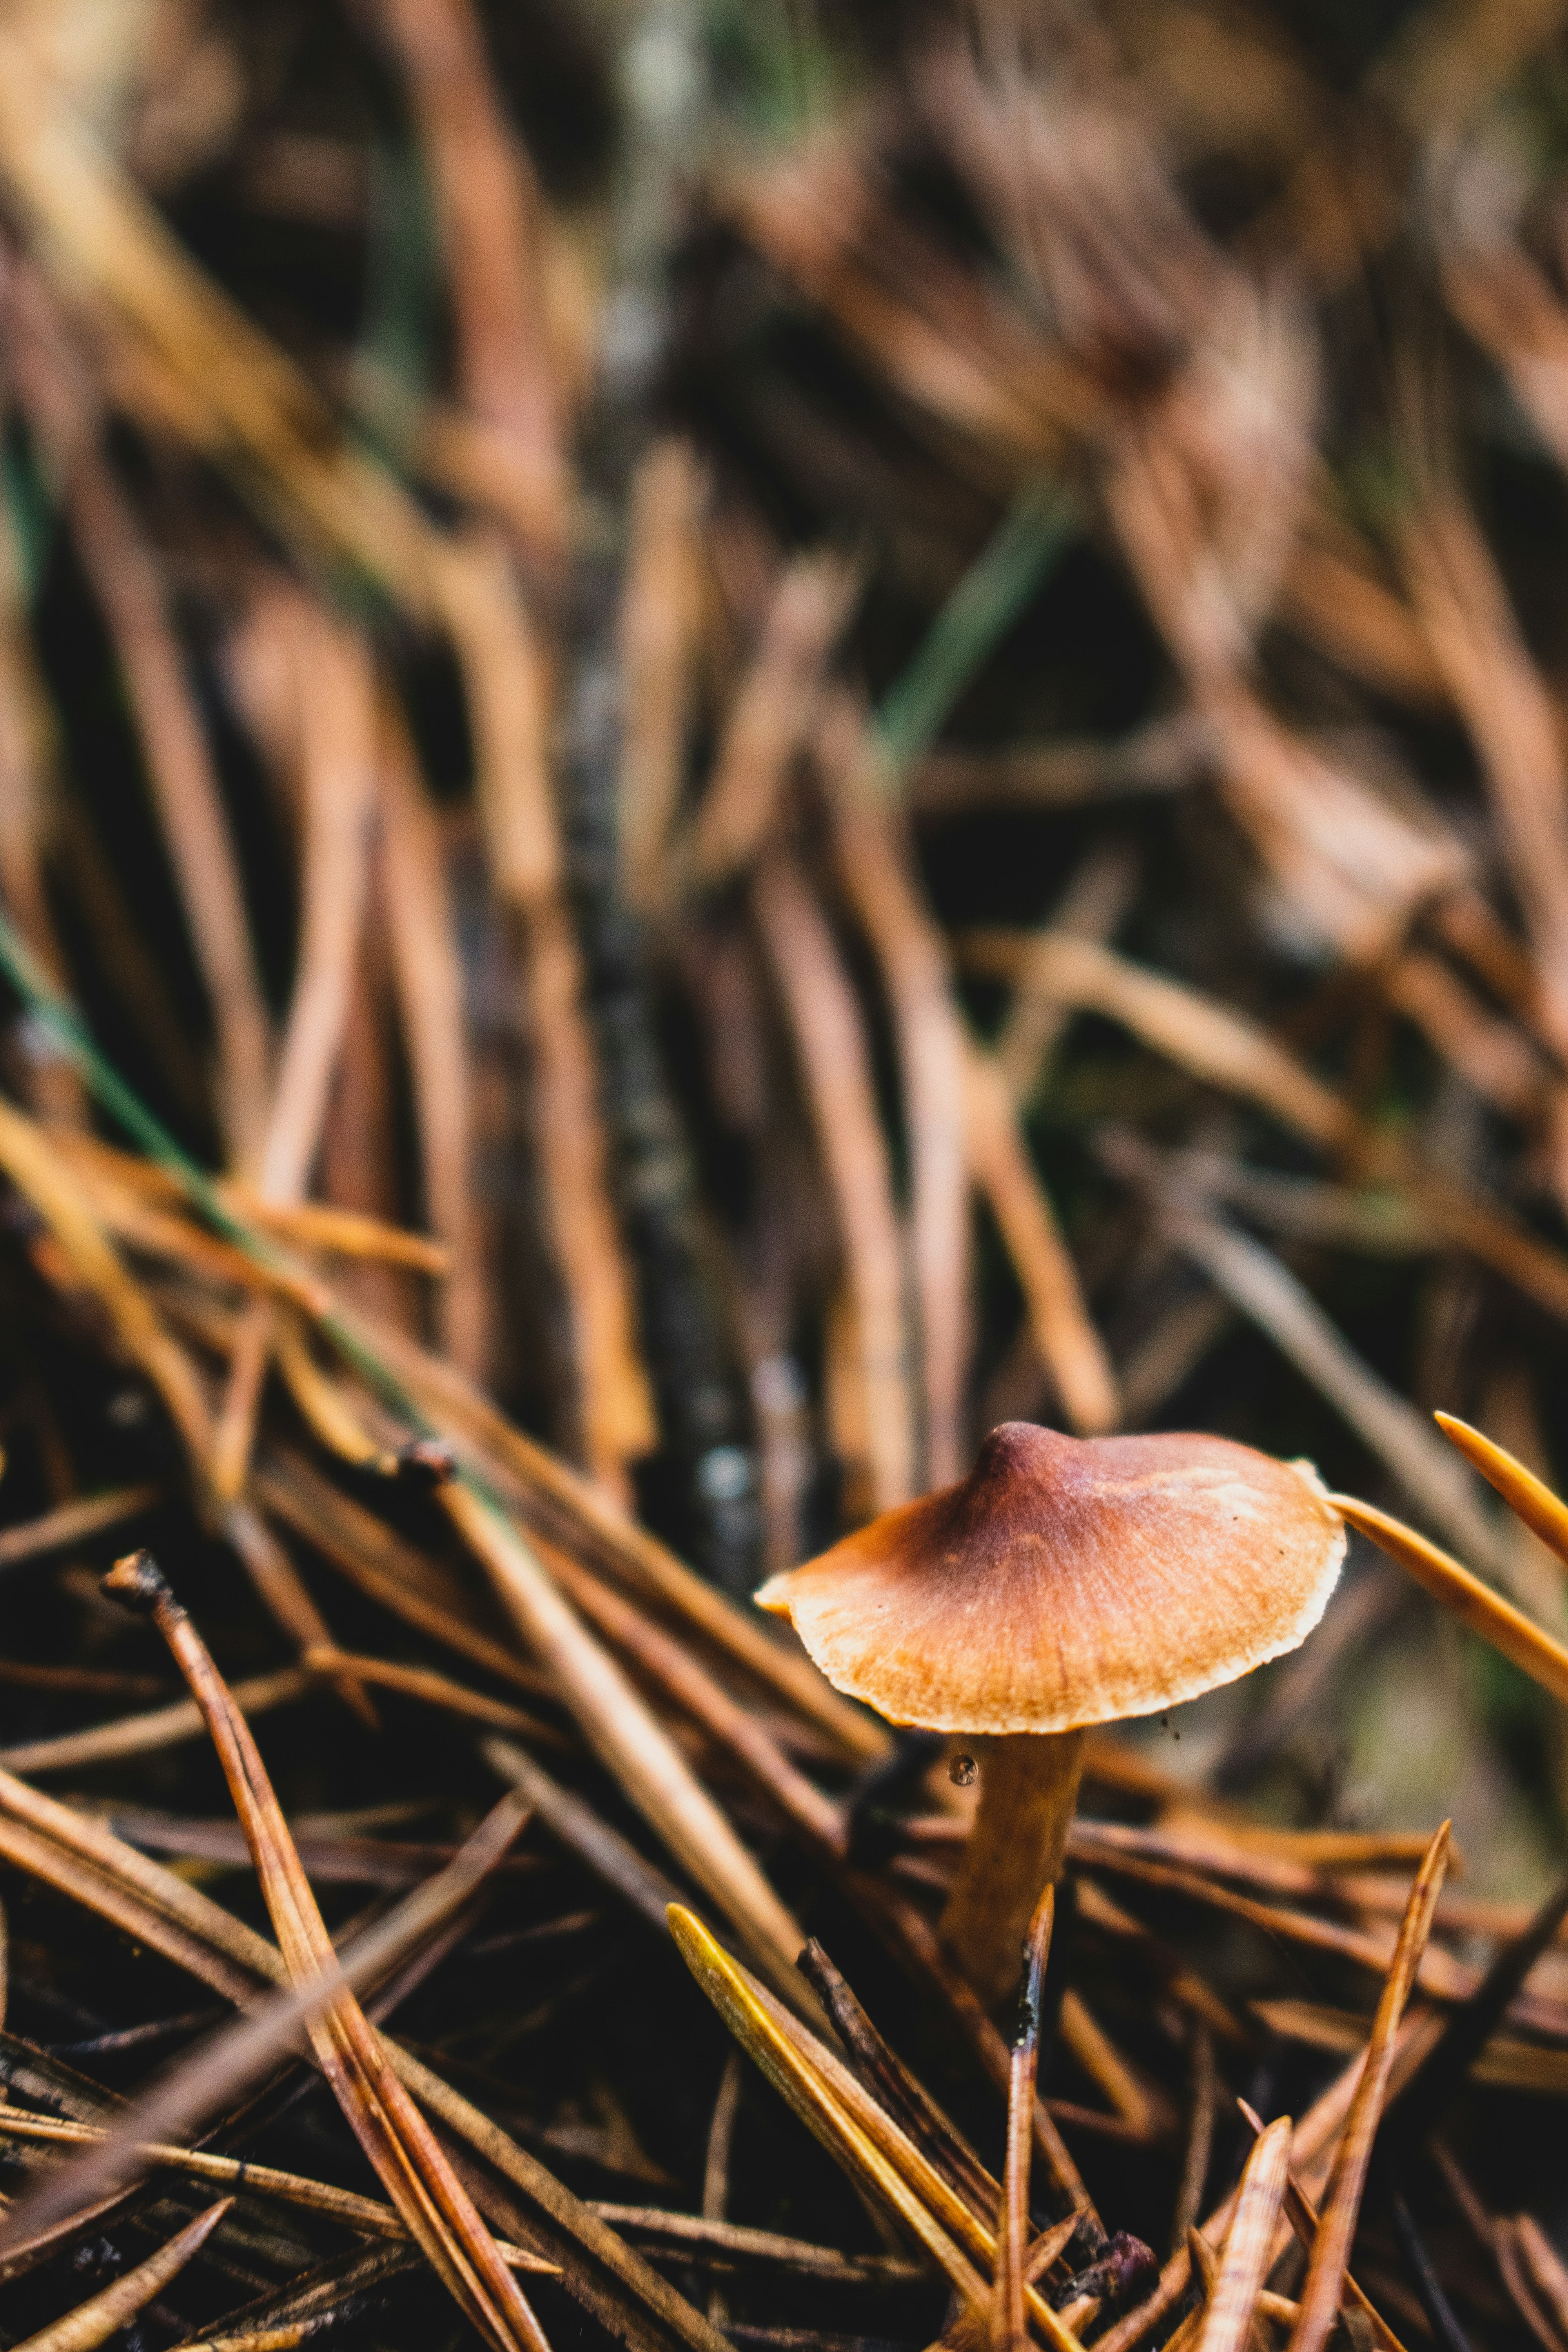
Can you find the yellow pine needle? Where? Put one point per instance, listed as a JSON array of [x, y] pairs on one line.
[[1325, 2282], [1248, 2250], [1497, 1620], [1527, 1496], [836, 2108], [103, 2315], [734, 1998]]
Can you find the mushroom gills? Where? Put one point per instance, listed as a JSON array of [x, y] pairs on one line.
[[1029, 1788]]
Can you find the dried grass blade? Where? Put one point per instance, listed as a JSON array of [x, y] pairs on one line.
[[490, 213], [894, 2087], [1325, 2280], [1008, 2325], [915, 1943], [627, 1739], [1527, 1496], [93, 2322], [1317, 2129], [289, 1597], [1196, 1032], [1441, 2074], [1249, 2247], [187, 1928], [323, 1404], [1223, 1049], [309, 1224], [1548, 2272], [1472, 630], [329, 728], [1474, 1603], [436, 1690], [438, 2212], [98, 1890]]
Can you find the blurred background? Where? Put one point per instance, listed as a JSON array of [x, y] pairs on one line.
[[868, 700]]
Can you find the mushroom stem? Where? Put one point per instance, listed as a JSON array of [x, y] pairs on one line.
[[1029, 1788]]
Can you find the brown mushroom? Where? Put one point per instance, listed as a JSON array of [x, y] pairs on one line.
[[1065, 1582]]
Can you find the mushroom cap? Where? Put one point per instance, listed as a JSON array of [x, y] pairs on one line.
[[1069, 1581]]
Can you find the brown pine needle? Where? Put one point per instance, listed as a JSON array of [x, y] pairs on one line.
[[1527, 1496], [365, 2214], [436, 1690], [661, 618], [1303, 2219], [144, 1734], [999, 1162], [829, 1038], [221, 1938], [383, 1565], [1325, 2280], [1248, 2249], [95, 2321], [71, 1523], [438, 2212], [564, 1504], [629, 1741], [877, 873], [1475, 1604], [671, 1665], [1008, 2325]]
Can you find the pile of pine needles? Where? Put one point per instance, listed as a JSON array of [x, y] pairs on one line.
[[733, 739]]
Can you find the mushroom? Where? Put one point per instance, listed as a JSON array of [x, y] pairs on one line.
[[1065, 1582]]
